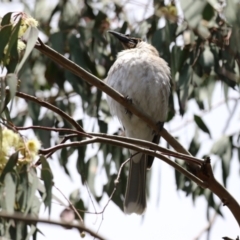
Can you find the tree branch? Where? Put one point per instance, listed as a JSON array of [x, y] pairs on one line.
[[138, 149], [51, 107], [91, 79], [32, 220]]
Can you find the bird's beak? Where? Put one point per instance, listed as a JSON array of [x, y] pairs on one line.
[[126, 41]]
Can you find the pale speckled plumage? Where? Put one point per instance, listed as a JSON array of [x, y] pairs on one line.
[[140, 74]]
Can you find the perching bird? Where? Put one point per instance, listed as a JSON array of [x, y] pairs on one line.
[[142, 76]]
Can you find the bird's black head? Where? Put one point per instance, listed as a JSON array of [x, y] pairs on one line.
[[127, 41]]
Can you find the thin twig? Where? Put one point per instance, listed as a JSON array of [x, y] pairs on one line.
[[230, 117], [71, 205], [83, 134], [120, 170], [101, 137], [33, 220], [51, 107], [115, 188], [89, 194], [209, 224]]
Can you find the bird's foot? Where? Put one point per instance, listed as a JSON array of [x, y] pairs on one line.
[[129, 100], [160, 127]]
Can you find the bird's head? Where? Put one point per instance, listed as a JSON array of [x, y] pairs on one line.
[[127, 41]]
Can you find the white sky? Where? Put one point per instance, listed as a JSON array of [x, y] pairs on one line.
[[174, 216]]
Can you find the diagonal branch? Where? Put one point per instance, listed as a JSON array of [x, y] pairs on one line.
[[51, 107], [91, 79]]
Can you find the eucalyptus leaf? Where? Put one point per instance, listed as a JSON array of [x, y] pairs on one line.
[[5, 34], [93, 166], [6, 19], [12, 81], [10, 190], [47, 177], [11, 163], [32, 36], [200, 123], [33, 189]]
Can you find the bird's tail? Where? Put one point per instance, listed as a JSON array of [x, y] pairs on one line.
[[135, 197]]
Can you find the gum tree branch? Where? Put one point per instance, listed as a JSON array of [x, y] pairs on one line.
[[33, 220], [91, 79], [52, 108], [136, 148], [105, 138]]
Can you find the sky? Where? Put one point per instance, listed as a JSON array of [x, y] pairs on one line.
[[170, 214]]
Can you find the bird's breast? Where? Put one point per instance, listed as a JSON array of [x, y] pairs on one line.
[[142, 78]]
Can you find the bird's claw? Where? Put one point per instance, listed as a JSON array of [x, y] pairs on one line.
[[129, 100], [160, 127]]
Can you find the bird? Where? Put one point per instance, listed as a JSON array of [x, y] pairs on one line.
[[141, 76]]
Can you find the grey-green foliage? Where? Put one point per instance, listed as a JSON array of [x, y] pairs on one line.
[[208, 54]]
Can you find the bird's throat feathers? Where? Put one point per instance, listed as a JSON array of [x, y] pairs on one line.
[[141, 47]]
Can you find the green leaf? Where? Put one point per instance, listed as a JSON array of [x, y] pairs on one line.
[[10, 190], [93, 166], [12, 53], [6, 19], [120, 191], [34, 111], [185, 87], [45, 136], [63, 159], [3, 96], [32, 189], [200, 123], [79, 205], [58, 41], [12, 81], [208, 12], [229, 11], [103, 126], [194, 145], [31, 41], [223, 148], [193, 11], [124, 27], [185, 76], [23, 192], [31, 232], [35, 208], [5, 34], [74, 196], [47, 177], [82, 166], [11, 163]]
